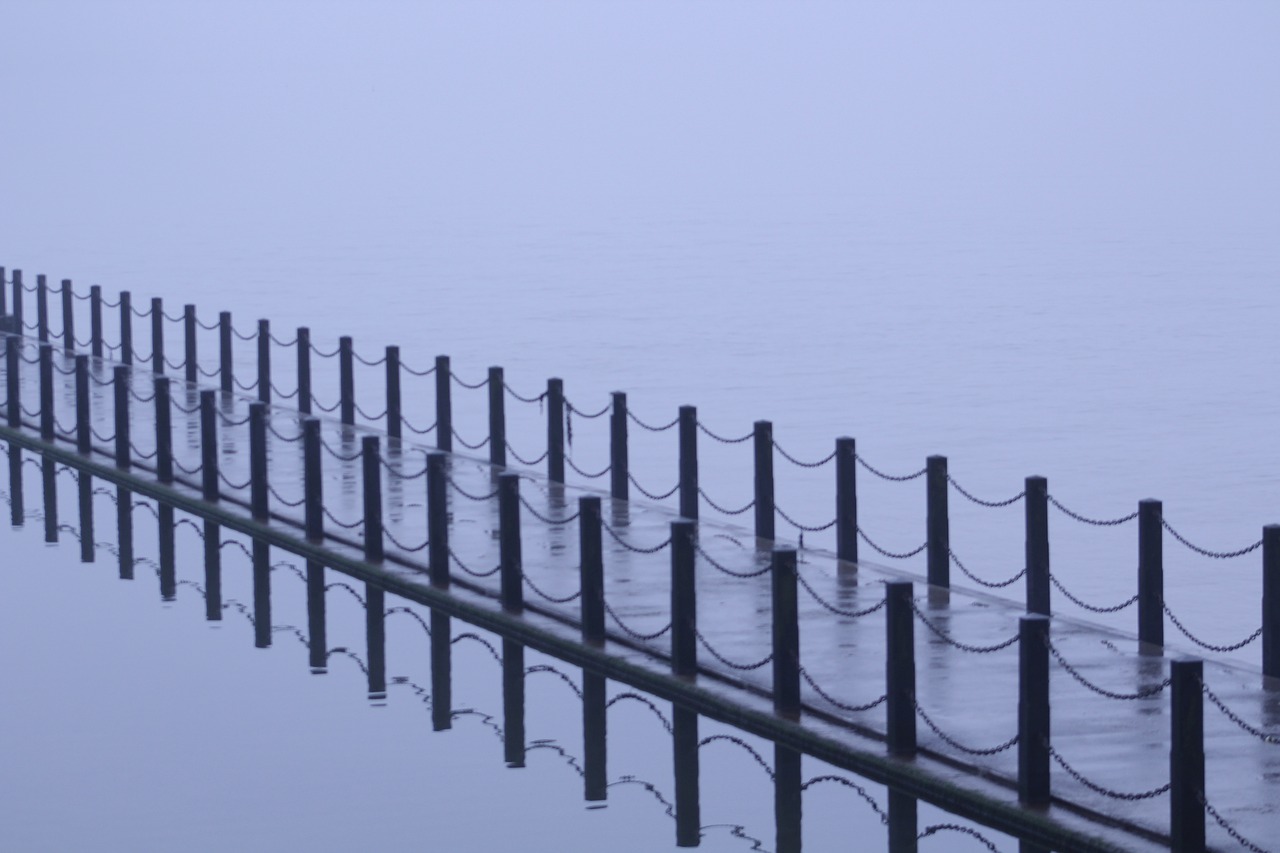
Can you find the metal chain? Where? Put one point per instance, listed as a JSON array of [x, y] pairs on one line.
[[399, 474], [626, 629], [666, 723], [935, 828], [1053, 579], [988, 584], [522, 398], [233, 485], [741, 667], [469, 386], [1230, 830], [281, 394], [905, 555], [844, 706], [554, 522], [994, 504], [283, 500], [848, 783], [467, 635], [369, 417], [327, 409], [830, 524], [959, 645], [721, 438], [271, 429], [553, 599], [468, 444], [636, 548], [336, 455], [950, 741], [800, 462], [352, 526], [1205, 552], [227, 421], [1102, 691], [249, 337], [1235, 718], [366, 361], [190, 472], [648, 494], [315, 349], [890, 477], [407, 369], [728, 571], [470, 496], [1106, 792], [403, 547], [1210, 646], [529, 462], [138, 453], [651, 427], [206, 326], [542, 667], [721, 509], [409, 426], [281, 343], [471, 571], [1096, 522], [737, 741], [340, 585], [135, 395], [852, 614], [589, 415]]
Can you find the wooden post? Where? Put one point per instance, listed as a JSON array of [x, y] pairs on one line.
[[49, 474], [555, 430], [212, 571], [938, 525], [258, 484], [787, 799], [124, 532], [1033, 710], [786, 635], [684, 600], [591, 549], [346, 380], [4, 294], [190, 335], [17, 509], [444, 404], [1037, 518], [619, 467], [901, 668], [304, 370], [317, 630], [1150, 575], [375, 635], [157, 335], [95, 321], [394, 413], [497, 419], [509, 542], [371, 457], [88, 544], [689, 462], [164, 431], [513, 703], [1271, 602], [261, 594], [120, 385], [208, 446], [224, 352], [595, 782], [846, 499], [168, 556], [1186, 757], [68, 317], [46, 391], [763, 442], [438, 519], [42, 309], [441, 671], [264, 361], [13, 386], [312, 480], [17, 302], [903, 822], [684, 746], [84, 437], [126, 327]]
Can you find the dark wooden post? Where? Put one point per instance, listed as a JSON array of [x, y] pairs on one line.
[[1150, 574], [497, 419], [1037, 518], [4, 294], [444, 404], [17, 509], [1186, 757], [901, 668], [261, 594], [312, 480], [938, 525], [763, 443], [684, 600], [264, 361], [13, 387], [346, 380], [513, 747], [394, 413], [212, 571], [258, 483], [208, 446], [224, 352], [42, 308], [846, 499], [120, 385], [68, 317], [317, 629], [619, 466], [84, 437], [438, 519], [555, 430], [371, 457], [304, 370], [88, 544], [591, 548], [168, 555], [684, 746], [157, 335], [164, 431], [441, 671], [126, 327], [46, 391], [190, 335], [787, 799], [95, 320], [49, 475], [124, 532], [689, 462], [509, 542], [595, 782], [903, 822], [786, 635], [1271, 601], [1033, 710], [375, 634], [17, 302]]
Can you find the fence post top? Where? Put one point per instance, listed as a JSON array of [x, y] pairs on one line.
[[892, 588], [255, 407], [618, 395], [393, 348], [509, 478], [40, 279], [81, 358], [683, 526], [1270, 531], [442, 359], [1036, 479], [1186, 665], [119, 369], [207, 396], [45, 345], [688, 409], [344, 341], [190, 306], [222, 315], [1149, 503], [156, 300], [937, 459], [495, 370], [263, 323], [763, 424], [368, 442], [784, 558], [589, 502], [66, 281]]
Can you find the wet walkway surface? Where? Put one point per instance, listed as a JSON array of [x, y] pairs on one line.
[[1111, 751]]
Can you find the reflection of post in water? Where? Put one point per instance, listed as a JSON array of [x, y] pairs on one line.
[[16, 509], [594, 737], [261, 594], [124, 531], [786, 798], [317, 643], [212, 571], [49, 474], [902, 822], [684, 725], [87, 549], [441, 671], [513, 702], [168, 560], [376, 641]]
